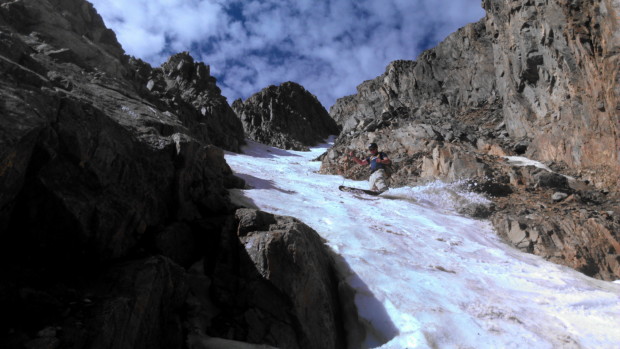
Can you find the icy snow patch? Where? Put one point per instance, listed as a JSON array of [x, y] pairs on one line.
[[523, 161]]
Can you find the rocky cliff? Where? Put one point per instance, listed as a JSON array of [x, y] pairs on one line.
[[532, 78], [285, 116], [556, 66], [114, 210]]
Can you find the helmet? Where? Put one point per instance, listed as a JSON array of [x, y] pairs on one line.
[[372, 146]]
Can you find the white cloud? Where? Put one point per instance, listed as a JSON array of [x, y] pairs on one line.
[[328, 46]]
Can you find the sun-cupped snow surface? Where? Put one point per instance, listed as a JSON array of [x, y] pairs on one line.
[[426, 277]]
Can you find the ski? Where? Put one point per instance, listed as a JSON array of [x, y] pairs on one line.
[[358, 190]]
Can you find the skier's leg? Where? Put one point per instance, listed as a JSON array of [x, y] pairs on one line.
[[373, 180], [378, 181], [381, 182]]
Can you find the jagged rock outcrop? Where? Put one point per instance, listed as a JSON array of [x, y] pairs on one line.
[[532, 78], [439, 84], [259, 298], [112, 182], [187, 88], [285, 116]]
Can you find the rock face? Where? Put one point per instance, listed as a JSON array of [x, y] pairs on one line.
[[532, 78], [112, 182], [285, 116], [77, 36], [86, 160], [257, 294], [556, 64]]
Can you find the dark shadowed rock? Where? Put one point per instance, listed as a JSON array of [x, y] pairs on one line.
[[276, 284], [285, 116], [95, 168], [86, 158], [125, 304], [476, 210], [550, 180], [134, 304], [177, 242], [491, 189]]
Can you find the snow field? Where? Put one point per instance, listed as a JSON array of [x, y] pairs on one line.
[[425, 276]]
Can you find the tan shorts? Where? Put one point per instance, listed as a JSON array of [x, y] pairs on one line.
[[378, 181]]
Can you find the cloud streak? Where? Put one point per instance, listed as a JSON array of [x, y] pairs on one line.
[[328, 46]]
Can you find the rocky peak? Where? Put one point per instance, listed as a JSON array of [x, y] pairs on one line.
[[187, 88], [183, 70], [285, 116]]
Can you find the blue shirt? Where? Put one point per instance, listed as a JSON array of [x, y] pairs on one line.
[[372, 160]]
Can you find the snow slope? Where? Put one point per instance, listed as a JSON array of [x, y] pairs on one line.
[[425, 276]]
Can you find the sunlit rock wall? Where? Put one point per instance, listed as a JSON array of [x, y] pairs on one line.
[[556, 65]]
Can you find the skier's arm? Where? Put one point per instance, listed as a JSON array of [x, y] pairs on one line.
[[357, 160]]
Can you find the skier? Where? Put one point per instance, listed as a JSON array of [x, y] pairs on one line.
[[377, 161]]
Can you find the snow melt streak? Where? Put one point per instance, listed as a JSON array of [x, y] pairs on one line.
[[425, 276]]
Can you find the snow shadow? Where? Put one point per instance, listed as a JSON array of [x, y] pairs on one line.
[[367, 322], [260, 183], [327, 143], [270, 152], [260, 150]]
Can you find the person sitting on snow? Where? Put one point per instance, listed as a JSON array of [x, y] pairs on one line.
[[377, 161]]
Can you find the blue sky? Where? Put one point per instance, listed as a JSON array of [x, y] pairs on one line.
[[328, 46]]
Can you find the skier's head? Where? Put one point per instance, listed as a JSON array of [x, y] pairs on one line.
[[372, 147]]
